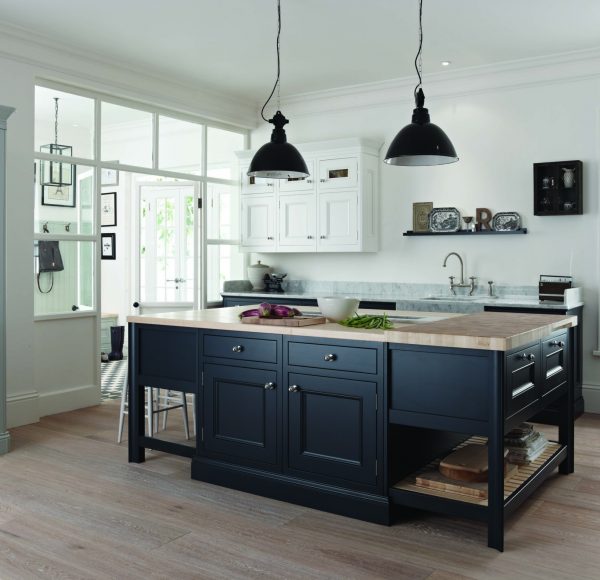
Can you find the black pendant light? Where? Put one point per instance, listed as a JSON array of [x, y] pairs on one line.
[[54, 173], [277, 159], [421, 142]]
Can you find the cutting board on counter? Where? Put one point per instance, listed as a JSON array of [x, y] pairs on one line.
[[295, 321]]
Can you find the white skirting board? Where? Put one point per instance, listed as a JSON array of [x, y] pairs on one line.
[[26, 408], [591, 396]]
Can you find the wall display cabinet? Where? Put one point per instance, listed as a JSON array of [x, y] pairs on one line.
[[334, 210], [558, 188]]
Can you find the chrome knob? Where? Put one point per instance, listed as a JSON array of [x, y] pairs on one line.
[[269, 386], [293, 388], [309, 181], [330, 357], [322, 237], [237, 348], [322, 180], [270, 238], [309, 237], [557, 343], [531, 356]]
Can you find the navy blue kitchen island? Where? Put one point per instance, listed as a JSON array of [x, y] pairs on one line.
[[340, 419]]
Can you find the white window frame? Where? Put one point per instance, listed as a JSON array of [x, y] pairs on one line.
[[97, 164]]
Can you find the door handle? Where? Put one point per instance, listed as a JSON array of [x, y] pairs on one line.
[[269, 386], [293, 388]]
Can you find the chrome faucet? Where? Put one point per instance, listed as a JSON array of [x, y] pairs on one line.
[[461, 284]]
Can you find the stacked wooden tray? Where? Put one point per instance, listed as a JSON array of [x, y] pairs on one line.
[[293, 321]]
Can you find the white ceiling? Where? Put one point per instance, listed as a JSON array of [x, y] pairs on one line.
[[228, 45]]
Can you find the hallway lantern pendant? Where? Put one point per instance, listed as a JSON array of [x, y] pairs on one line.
[[421, 142], [277, 159], [54, 173]]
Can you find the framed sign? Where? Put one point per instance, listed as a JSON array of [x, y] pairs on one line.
[[421, 213], [61, 196], [109, 177], [108, 209], [109, 250]]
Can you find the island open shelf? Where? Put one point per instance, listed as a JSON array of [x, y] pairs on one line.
[[517, 486]]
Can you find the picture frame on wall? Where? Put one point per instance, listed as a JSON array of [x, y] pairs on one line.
[[63, 196], [109, 177], [108, 209], [421, 211], [108, 247]]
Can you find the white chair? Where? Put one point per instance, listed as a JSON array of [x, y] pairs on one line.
[[157, 401]]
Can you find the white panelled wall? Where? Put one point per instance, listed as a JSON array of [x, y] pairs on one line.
[[499, 132], [51, 364]]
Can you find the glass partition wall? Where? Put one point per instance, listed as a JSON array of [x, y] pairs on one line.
[[116, 180]]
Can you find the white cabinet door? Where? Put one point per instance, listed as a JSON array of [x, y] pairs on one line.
[[338, 173], [306, 185], [338, 221], [255, 184], [297, 222], [258, 222]]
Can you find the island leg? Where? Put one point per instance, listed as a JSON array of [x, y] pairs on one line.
[[137, 453], [566, 424], [496, 458]]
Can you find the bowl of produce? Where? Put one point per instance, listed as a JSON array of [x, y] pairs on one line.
[[337, 308]]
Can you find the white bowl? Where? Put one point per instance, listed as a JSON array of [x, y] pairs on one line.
[[337, 308]]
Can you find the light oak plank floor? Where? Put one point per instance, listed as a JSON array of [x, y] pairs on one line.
[[72, 507]]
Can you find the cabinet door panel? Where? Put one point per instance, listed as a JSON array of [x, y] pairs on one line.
[[255, 184], [297, 221], [258, 222], [338, 173], [240, 412], [305, 185], [338, 220], [332, 427]]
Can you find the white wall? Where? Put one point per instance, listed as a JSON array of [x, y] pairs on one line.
[[498, 132], [45, 358]]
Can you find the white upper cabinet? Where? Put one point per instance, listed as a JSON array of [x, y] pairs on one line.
[[336, 209], [255, 184], [258, 223], [338, 173], [300, 185]]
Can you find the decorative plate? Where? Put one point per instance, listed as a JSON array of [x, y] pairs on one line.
[[444, 219], [506, 221]]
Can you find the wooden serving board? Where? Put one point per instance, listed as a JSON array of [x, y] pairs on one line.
[[294, 321], [433, 479]]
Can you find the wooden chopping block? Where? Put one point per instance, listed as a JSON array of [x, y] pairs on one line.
[[469, 463]]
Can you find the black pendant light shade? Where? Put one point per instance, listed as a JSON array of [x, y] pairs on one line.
[[421, 142], [278, 159]]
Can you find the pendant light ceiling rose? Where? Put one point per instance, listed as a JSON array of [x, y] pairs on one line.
[[421, 142], [278, 159]]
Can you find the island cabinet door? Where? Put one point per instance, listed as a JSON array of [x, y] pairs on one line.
[[240, 413], [332, 428]]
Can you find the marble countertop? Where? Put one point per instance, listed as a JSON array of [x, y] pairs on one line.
[[439, 304], [485, 330]]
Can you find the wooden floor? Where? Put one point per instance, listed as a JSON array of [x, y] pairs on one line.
[[72, 507]]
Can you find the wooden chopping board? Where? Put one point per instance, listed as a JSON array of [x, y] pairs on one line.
[[433, 479], [294, 321], [469, 463]]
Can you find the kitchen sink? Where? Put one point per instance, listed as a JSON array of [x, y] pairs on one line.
[[453, 298]]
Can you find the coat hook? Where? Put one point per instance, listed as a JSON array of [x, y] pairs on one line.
[[45, 228], [67, 227]]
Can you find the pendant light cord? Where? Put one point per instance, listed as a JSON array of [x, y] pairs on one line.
[[276, 85], [56, 120], [419, 56]]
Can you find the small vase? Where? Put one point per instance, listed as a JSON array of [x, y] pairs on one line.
[[568, 177]]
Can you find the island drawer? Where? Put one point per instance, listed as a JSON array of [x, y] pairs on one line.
[[522, 382], [333, 357], [554, 362], [240, 347]]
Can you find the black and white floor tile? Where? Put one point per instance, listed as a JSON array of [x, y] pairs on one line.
[[114, 375]]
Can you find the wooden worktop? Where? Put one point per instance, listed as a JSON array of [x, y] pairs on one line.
[[485, 330]]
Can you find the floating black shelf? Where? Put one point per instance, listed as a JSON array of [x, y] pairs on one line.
[[465, 233]]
